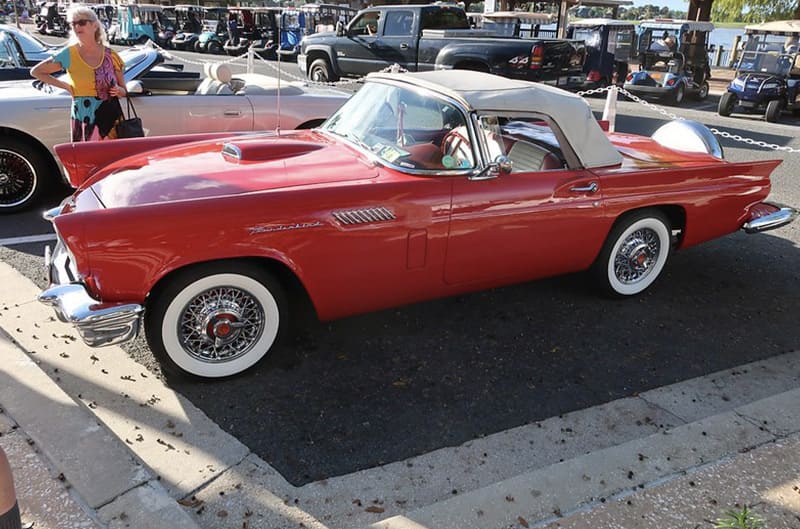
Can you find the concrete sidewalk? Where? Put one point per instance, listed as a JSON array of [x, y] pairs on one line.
[[95, 441]]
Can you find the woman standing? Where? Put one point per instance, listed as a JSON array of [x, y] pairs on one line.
[[94, 77]]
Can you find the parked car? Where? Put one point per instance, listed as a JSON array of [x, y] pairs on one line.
[[609, 44], [34, 117], [31, 49], [12, 65], [673, 60], [435, 37], [768, 72], [422, 185]]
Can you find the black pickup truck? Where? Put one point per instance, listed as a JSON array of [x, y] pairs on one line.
[[435, 37]]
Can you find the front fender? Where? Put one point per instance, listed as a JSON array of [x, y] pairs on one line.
[[327, 51]]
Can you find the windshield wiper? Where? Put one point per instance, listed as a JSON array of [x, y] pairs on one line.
[[352, 137]]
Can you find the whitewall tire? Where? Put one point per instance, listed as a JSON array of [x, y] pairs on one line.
[[214, 323], [634, 254]]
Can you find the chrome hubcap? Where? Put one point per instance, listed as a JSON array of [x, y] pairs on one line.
[[221, 324], [636, 256]]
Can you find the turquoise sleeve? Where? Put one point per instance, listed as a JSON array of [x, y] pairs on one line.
[[62, 57]]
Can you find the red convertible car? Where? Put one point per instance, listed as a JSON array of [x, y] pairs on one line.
[[422, 185]]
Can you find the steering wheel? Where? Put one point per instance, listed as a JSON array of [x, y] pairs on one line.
[[456, 146]]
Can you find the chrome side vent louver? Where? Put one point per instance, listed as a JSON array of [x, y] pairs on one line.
[[363, 216]]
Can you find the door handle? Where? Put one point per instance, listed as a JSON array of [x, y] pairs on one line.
[[404, 46], [591, 188], [232, 113]]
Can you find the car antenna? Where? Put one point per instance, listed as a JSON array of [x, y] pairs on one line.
[[278, 53]]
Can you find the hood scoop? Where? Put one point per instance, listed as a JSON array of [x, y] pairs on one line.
[[261, 151]]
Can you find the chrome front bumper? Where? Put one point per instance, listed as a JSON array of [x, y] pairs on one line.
[[97, 323], [779, 216]]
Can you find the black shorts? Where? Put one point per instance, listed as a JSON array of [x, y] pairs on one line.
[[11, 519]]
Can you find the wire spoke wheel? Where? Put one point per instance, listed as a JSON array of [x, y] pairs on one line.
[[18, 179], [636, 256]]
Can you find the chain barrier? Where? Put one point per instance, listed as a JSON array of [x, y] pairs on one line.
[[395, 69], [675, 117]]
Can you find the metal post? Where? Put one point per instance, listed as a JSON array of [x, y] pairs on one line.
[[610, 109], [735, 52], [718, 55], [251, 59]]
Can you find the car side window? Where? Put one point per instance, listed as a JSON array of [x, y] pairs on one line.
[[366, 25], [529, 143], [399, 24]]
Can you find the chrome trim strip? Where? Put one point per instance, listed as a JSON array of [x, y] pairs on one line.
[[785, 215], [98, 324]]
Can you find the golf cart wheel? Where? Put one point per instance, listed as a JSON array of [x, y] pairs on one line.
[[678, 93], [774, 109], [702, 93], [726, 104]]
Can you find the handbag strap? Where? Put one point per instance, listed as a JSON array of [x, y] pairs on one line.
[[131, 108]]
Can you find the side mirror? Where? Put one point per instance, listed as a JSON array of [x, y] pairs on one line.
[[339, 29], [134, 88], [504, 164]]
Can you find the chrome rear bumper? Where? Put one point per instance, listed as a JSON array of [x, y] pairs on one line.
[[780, 216], [98, 324]]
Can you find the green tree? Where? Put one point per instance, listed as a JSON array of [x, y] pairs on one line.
[[754, 10]]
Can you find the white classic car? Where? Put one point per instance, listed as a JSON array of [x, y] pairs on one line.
[[35, 117]]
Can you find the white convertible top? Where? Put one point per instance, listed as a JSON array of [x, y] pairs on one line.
[[777, 27], [487, 93]]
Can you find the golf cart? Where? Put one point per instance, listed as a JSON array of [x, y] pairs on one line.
[[768, 72], [215, 32], [519, 24], [673, 60], [52, 20], [136, 24], [188, 26], [609, 44], [259, 31], [324, 17]]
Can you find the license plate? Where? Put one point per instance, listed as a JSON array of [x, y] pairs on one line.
[[563, 80], [656, 76]]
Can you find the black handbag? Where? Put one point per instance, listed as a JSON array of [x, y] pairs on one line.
[[131, 126]]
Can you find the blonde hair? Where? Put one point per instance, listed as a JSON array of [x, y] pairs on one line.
[[82, 12]]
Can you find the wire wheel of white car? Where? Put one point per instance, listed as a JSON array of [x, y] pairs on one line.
[[216, 321], [21, 170], [634, 254]]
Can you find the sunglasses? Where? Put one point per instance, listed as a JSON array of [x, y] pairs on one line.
[[80, 23]]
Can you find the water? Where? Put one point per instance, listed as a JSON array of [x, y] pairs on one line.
[[725, 36]]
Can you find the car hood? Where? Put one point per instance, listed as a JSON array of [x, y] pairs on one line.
[[215, 168]]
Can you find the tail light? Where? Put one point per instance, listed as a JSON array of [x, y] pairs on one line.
[[671, 82], [594, 75], [629, 77], [537, 55]]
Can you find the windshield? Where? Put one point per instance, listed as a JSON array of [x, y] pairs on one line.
[[30, 44], [769, 54], [404, 127]]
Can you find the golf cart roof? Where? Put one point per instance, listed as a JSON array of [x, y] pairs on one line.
[[595, 22], [777, 27], [681, 25]]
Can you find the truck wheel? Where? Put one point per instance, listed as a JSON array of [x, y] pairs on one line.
[[774, 109], [321, 72], [726, 104]]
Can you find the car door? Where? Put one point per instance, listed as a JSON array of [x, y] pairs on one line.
[[189, 114], [533, 222], [397, 42], [357, 52]]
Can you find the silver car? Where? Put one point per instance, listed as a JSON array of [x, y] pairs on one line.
[[34, 117]]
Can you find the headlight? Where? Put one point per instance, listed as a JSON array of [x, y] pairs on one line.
[[688, 136], [738, 83]]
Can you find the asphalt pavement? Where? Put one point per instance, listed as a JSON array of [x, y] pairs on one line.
[[97, 441]]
